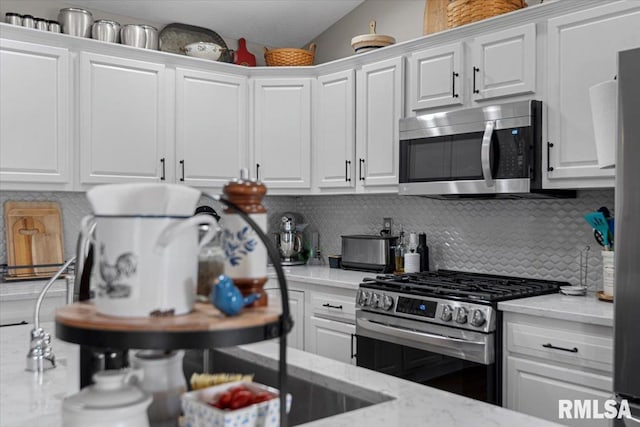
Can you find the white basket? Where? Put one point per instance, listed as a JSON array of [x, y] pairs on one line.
[[198, 413]]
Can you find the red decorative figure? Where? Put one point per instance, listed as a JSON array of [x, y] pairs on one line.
[[242, 56]]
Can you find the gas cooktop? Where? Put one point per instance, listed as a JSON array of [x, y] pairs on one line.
[[465, 286]]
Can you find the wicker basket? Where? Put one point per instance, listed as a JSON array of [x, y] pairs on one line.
[[460, 12], [286, 57]]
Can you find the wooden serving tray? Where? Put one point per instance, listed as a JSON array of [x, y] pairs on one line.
[[204, 317], [204, 327]]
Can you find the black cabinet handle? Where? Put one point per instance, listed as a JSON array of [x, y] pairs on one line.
[[332, 306], [475, 70], [352, 353], [347, 163], [182, 164], [570, 350], [162, 177], [360, 176], [453, 80], [549, 146], [257, 171]]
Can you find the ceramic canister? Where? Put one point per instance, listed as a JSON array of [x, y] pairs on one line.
[[245, 254], [145, 265]]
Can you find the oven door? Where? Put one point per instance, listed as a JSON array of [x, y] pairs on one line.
[[450, 359]]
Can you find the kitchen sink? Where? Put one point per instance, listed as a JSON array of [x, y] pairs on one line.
[[311, 401]]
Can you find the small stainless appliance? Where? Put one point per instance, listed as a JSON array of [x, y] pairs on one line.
[[495, 150], [368, 252], [289, 241], [441, 329]]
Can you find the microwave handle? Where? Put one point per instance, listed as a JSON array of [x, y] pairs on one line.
[[485, 154]]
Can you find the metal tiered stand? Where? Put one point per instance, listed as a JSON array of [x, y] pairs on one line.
[[204, 328]]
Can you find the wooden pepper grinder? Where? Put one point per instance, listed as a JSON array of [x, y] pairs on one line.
[[242, 56], [246, 255]]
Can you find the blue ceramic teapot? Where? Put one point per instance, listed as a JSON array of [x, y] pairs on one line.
[[226, 297]]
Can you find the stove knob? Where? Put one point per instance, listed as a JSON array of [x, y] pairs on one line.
[[363, 298], [447, 313], [387, 302], [461, 315], [477, 318], [374, 300]]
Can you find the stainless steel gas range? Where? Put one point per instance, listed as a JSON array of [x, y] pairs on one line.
[[441, 329]]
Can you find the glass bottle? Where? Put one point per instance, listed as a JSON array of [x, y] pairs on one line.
[[401, 249], [423, 250]]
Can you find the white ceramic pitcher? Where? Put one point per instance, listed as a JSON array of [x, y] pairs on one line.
[[145, 265]]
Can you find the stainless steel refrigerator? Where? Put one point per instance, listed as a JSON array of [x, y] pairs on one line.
[[626, 381]]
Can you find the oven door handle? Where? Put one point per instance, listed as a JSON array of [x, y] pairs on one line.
[[412, 334], [485, 154]]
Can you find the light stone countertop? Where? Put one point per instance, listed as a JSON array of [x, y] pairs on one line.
[[323, 275], [28, 399], [584, 309]]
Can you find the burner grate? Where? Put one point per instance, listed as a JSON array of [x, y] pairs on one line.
[[466, 285]]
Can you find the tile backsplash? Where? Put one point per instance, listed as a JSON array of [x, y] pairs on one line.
[[534, 238]]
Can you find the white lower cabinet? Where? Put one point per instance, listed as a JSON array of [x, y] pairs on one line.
[[331, 324], [536, 388], [295, 338], [332, 339], [546, 361]]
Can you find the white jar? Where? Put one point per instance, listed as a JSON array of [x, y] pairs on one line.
[[112, 400], [164, 380]]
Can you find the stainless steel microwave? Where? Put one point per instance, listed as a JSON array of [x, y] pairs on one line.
[[494, 151]]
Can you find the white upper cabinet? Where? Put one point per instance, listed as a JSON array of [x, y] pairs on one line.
[[211, 127], [379, 95], [494, 65], [435, 77], [122, 120], [281, 146], [334, 130], [35, 137], [582, 52], [504, 63]]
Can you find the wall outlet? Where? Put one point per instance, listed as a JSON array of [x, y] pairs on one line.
[[387, 225]]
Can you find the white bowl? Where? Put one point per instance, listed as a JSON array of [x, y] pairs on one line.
[[204, 50]]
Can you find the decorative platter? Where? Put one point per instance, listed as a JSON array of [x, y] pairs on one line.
[[174, 37]]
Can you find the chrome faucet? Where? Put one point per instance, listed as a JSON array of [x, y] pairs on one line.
[[40, 356]]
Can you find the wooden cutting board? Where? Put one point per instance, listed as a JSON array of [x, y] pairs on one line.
[[435, 16], [34, 237]]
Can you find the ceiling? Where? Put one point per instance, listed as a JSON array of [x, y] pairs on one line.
[[274, 23]]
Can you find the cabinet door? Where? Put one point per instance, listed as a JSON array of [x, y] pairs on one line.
[[35, 137], [535, 388], [211, 123], [295, 338], [335, 340], [379, 108], [334, 130], [122, 123], [582, 52], [435, 78], [504, 63], [282, 132]]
